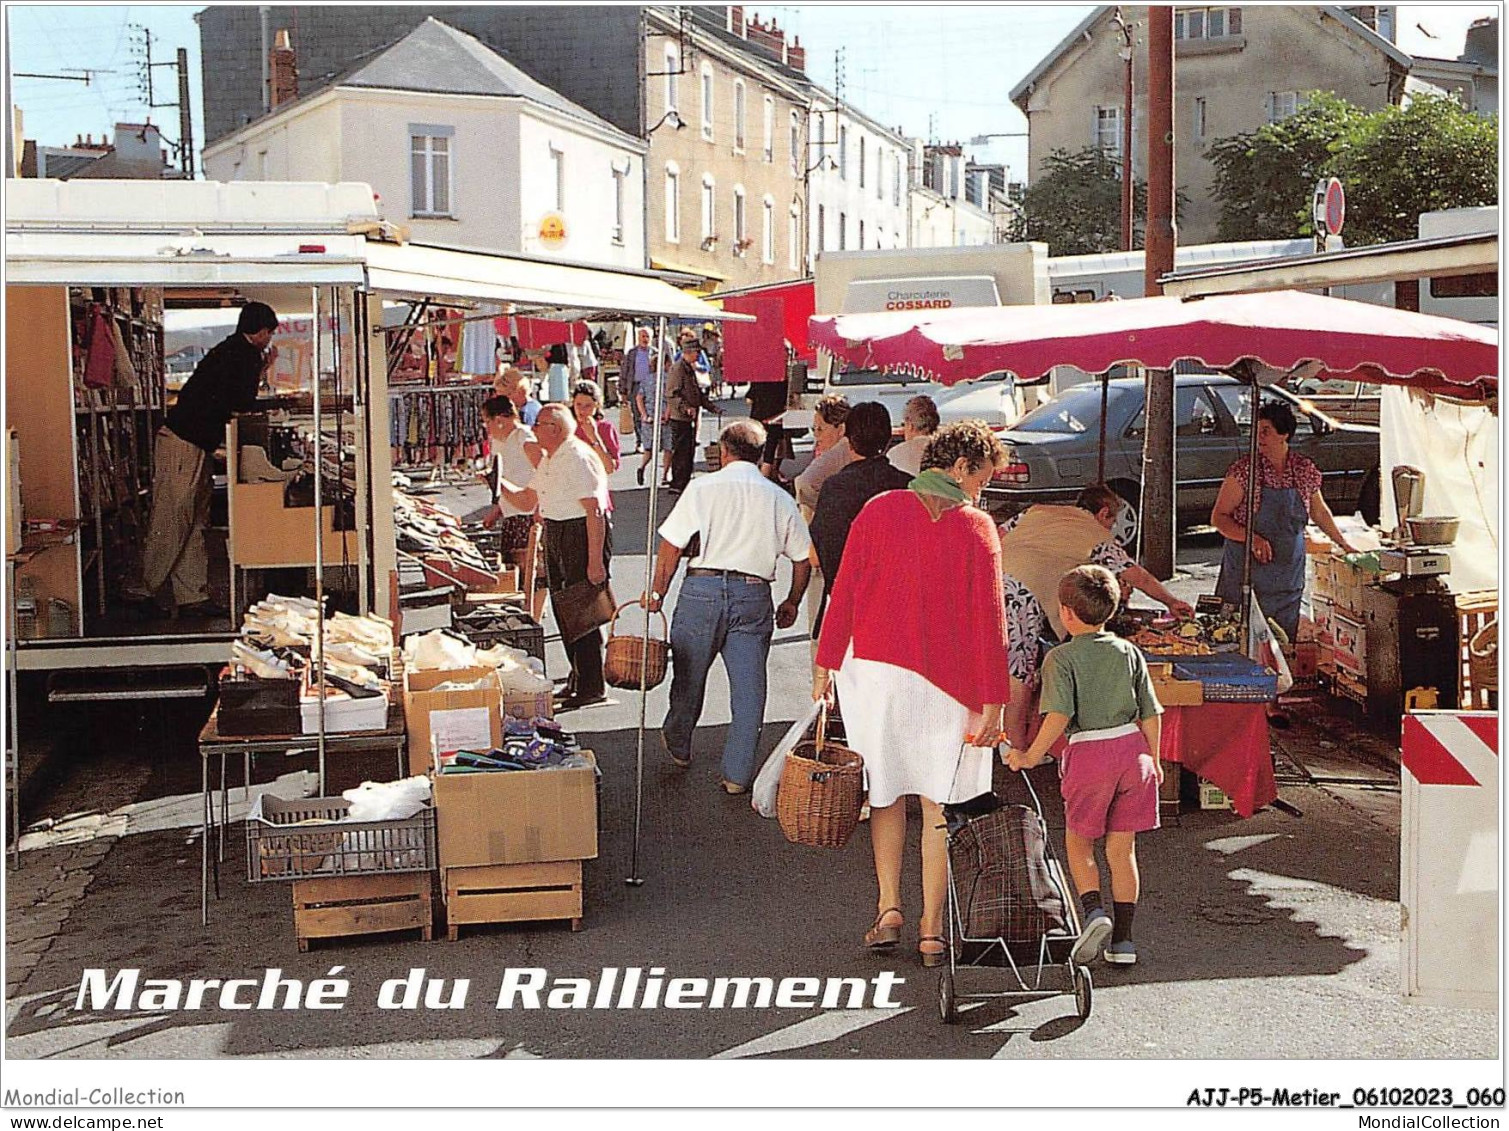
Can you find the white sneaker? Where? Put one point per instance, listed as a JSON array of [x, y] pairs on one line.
[[1092, 937]]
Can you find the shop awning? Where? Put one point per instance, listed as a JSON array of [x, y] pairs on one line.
[[119, 259], [532, 285]]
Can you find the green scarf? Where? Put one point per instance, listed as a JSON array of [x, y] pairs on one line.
[[934, 482]]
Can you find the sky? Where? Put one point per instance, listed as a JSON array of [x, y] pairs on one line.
[[934, 70]]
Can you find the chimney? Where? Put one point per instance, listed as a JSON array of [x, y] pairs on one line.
[[282, 71], [1483, 42], [736, 20], [796, 55]]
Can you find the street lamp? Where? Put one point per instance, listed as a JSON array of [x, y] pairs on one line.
[[981, 139], [671, 118]]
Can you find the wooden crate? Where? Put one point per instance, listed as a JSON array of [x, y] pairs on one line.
[[338, 906], [513, 893], [1474, 611]]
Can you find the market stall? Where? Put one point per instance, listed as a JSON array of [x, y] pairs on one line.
[[1259, 338]]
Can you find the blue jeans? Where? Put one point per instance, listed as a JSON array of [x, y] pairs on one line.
[[734, 618]]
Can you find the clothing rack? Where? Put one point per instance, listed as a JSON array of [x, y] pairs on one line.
[[436, 424]]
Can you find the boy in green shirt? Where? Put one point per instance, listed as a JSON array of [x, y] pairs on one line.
[[1096, 689]]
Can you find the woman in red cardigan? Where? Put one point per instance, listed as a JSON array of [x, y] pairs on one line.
[[915, 639]]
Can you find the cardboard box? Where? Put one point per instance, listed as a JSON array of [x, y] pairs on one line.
[[1173, 692], [1350, 643], [523, 817], [1212, 798], [1324, 610], [464, 713]]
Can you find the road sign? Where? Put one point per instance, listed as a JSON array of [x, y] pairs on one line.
[[1336, 207]]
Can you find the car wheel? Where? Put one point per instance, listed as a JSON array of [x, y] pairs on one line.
[[1128, 524], [1369, 499]]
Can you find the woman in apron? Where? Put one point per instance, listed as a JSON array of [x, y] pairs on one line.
[[1288, 497]]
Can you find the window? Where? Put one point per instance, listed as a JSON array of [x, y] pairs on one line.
[[796, 144], [769, 124], [741, 221], [1199, 118], [672, 87], [861, 163], [430, 170], [1283, 103], [739, 114], [822, 225], [767, 231], [1207, 23], [707, 102], [672, 204], [843, 153], [843, 224], [1237, 400], [1108, 130], [896, 183], [1464, 286], [880, 174], [861, 243], [793, 239], [262, 165], [620, 180], [709, 206], [558, 178]]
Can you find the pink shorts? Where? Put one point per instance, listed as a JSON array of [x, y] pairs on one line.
[[1109, 784]]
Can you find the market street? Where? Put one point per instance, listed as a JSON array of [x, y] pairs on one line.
[[1274, 937]]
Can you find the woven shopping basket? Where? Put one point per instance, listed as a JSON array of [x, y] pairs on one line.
[[1483, 656], [624, 656], [821, 791]]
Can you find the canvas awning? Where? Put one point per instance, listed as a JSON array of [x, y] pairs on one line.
[[120, 259], [532, 285]]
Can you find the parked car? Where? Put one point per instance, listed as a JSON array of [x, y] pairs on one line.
[[993, 398], [1053, 448]]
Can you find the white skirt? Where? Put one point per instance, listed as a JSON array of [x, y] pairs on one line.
[[910, 734]]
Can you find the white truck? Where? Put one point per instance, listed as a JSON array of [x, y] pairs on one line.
[[923, 279]]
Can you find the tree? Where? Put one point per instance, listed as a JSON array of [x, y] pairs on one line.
[[1400, 162], [1074, 204], [1264, 179], [1395, 163]]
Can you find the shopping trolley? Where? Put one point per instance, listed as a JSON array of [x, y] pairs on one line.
[[1034, 943]]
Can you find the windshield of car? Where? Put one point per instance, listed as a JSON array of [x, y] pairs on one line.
[[1073, 411]]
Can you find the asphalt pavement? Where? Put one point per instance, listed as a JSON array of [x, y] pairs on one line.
[[1272, 937]]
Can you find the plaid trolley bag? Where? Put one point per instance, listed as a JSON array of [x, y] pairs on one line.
[[999, 860]]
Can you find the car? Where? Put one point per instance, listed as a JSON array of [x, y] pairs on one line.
[[993, 397], [1052, 451]]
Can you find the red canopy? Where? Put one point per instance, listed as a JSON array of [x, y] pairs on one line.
[[1278, 329]]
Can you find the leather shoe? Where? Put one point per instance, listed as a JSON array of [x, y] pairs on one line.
[[573, 702], [733, 788]]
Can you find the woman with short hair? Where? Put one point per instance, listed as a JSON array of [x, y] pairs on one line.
[[919, 420], [916, 643], [830, 451], [591, 428]]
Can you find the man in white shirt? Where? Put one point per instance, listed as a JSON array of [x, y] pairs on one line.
[[745, 524], [919, 420], [571, 491]]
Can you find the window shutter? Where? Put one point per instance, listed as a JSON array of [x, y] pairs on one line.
[[1268, 106]]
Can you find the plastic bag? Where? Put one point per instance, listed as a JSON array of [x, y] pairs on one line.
[[387, 801], [767, 782], [1263, 647]]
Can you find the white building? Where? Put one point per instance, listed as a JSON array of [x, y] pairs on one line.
[[858, 184], [463, 148], [941, 212]]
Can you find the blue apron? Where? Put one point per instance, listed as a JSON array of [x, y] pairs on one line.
[[1278, 584]]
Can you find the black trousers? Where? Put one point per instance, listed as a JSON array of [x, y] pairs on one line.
[[683, 452], [565, 565]]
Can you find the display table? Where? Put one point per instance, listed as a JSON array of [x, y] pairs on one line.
[[1227, 745], [212, 742]]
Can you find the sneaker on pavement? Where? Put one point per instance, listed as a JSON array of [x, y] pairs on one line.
[[1121, 953], [1092, 937]]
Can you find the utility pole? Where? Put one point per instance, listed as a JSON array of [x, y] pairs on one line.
[[185, 118], [1126, 132], [1158, 463]]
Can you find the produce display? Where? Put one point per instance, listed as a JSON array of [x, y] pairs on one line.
[[1163, 634]]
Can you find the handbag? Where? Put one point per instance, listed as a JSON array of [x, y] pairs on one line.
[[582, 607]]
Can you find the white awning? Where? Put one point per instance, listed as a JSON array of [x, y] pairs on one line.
[[533, 286], [117, 259]]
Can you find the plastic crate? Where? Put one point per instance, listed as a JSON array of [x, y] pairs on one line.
[[517, 630], [1229, 679], [305, 839]]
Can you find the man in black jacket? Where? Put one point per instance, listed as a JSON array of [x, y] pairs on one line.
[[224, 383], [684, 400]]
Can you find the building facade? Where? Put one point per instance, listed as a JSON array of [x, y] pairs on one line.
[[858, 180], [1238, 68], [462, 148], [943, 190]]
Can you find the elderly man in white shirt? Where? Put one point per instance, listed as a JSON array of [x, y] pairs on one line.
[[571, 491], [745, 524], [919, 420]]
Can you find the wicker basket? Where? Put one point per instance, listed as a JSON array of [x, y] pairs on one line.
[[628, 660], [1483, 656], [821, 791]]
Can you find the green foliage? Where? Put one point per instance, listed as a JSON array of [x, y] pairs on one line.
[[1074, 204], [1395, 163]]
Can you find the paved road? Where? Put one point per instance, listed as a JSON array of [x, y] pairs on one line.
[[1271, 937]]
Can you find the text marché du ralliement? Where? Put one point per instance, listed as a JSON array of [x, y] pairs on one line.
[[521, 987]]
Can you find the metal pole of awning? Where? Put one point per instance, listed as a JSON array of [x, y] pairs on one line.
[[634, 879], [319, 542]]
